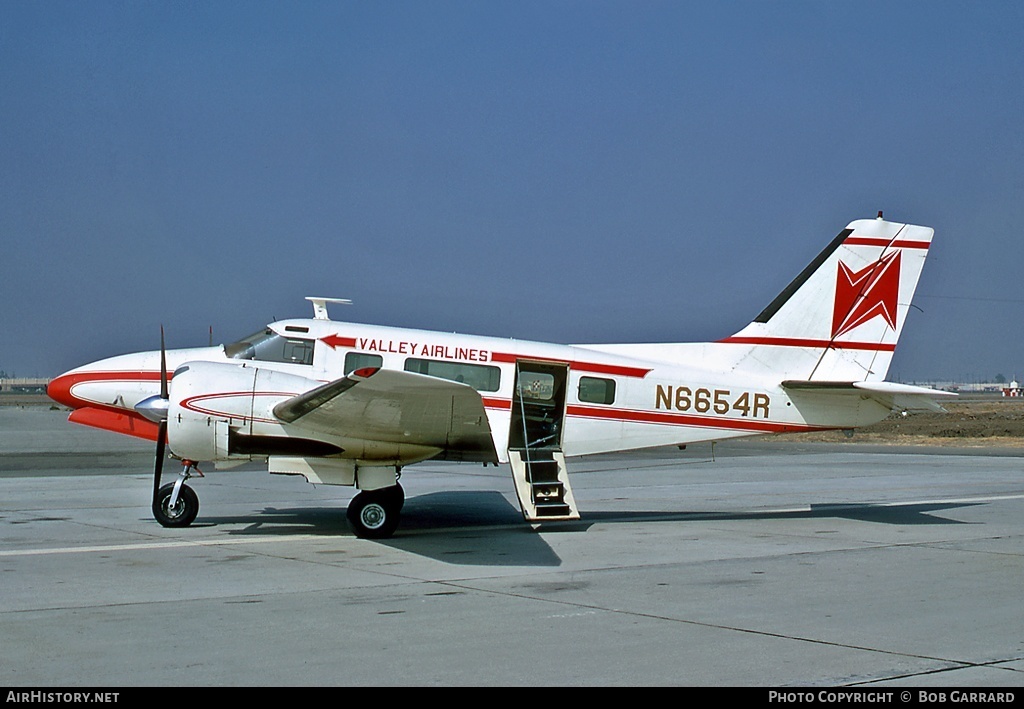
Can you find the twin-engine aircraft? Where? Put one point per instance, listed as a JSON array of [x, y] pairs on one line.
[[350, 404]]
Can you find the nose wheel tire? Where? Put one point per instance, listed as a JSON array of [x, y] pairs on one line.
[[373, 514], [184, 511]]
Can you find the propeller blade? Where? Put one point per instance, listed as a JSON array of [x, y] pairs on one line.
[[158, 466], [163, 366], [161, 436]]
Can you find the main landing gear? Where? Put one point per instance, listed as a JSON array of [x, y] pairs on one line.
[[176, 504], [374, 514]]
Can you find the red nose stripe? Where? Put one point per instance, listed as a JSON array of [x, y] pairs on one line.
[[60, 388]]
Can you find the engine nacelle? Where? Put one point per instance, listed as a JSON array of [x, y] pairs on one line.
[[223, 411]]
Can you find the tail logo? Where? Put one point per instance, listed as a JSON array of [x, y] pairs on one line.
[[866, 294]]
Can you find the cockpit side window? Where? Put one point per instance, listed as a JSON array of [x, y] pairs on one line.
[[267, 346]]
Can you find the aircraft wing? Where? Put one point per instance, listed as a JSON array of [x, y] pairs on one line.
[[894, 396], [397, 407]]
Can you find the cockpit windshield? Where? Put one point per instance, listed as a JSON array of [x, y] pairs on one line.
[[267, 346]]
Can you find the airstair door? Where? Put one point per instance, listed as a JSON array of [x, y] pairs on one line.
[[535, 441]]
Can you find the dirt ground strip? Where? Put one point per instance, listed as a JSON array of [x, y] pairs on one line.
[[982, 421]]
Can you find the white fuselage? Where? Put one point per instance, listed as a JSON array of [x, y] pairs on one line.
[[612, 401]]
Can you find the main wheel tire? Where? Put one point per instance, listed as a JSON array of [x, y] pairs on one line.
[[184, 511], [397, 494], [373, 514]]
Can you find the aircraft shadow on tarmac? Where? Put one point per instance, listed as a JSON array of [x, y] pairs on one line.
[[896, 514], [463, 527], [485, 529]]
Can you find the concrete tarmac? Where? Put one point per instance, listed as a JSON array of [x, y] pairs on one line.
[[756, 563]]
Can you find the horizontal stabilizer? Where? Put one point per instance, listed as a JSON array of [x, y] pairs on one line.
[[894, 396]]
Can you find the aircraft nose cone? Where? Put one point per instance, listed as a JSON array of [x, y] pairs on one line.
[[59, 390], [153, 408]]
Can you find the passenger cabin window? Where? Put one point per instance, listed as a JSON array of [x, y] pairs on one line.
[[358, 360], [267, 346], [480, 377], [595, 390]]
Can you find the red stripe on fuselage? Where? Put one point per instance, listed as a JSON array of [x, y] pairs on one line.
[[59, 389], [670, 419], [804, 342], [593, 367]]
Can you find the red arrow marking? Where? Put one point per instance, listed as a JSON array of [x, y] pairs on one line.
[[866, 294], [336, 341]]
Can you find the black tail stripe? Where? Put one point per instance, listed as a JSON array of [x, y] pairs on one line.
[[794, 286]]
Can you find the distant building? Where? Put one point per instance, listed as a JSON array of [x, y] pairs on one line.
[[1013, 390], [23, 385]]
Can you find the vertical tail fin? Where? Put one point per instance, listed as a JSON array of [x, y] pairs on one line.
[[840, 319]]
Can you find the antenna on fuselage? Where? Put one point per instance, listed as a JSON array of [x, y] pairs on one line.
[[320, 305]]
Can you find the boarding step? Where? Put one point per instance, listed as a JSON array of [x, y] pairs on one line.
[[542, 484]]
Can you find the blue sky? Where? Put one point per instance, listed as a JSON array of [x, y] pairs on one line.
[[564, 171]]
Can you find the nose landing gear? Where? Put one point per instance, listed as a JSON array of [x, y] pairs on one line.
[[176, 504]]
